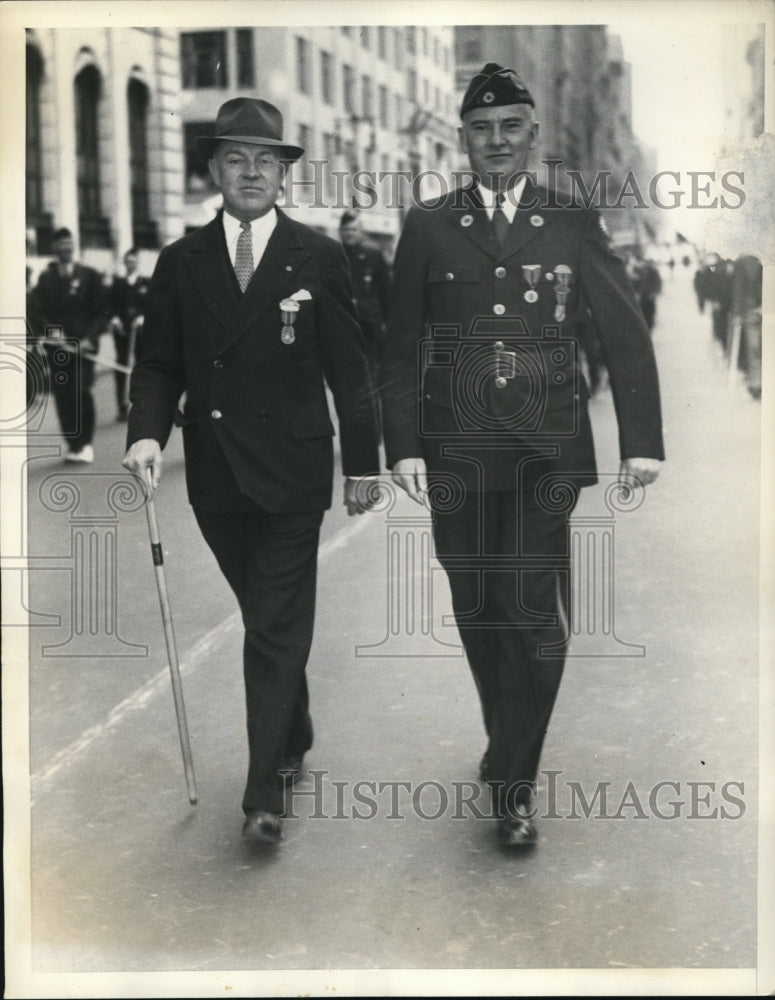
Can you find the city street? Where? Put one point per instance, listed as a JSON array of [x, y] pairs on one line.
[[647, 808]]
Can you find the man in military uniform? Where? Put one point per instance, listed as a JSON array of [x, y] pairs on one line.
[[372, 283], [127, 294], [71, 303], [487, 289]]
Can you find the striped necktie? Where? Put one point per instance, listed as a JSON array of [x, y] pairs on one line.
[[243, 261], [500, 223]]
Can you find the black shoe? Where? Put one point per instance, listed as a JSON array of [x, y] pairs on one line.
[[262, 827], [290, 769], [517, 832]]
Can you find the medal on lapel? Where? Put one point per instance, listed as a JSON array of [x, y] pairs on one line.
[[562, 275], [532, 274], [288, 310]]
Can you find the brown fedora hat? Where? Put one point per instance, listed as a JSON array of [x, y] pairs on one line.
[[245, 119]]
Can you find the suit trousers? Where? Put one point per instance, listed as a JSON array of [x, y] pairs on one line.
[[270, 562], [507, 560], [71, 379]]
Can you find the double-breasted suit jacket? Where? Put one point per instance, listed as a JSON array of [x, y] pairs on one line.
[[494, 331], [255, 420]]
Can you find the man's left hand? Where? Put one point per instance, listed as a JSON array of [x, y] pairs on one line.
[[639, 471], [360, 494]]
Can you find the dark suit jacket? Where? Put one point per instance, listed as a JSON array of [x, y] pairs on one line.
[[256, 425], [77, 303], [457, 295], [128, 301]]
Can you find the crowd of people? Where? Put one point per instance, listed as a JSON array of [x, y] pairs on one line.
[[732, 291]]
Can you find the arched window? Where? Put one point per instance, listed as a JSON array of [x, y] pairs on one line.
[[88, 90], [143, 229]]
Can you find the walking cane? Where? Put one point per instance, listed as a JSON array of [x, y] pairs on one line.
[[169, 635]]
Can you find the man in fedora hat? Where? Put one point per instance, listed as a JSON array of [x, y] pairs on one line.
[[251, 316], [488, 287]]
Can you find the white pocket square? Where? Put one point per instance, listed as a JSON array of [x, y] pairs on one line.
[[301, 296]]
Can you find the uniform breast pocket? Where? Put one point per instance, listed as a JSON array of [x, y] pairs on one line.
[[449, 289]]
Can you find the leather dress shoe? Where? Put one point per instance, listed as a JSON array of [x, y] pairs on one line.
[[262, 827], [518, 831], [290, 769]]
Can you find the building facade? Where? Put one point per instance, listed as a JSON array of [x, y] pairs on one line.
[[103, 140]]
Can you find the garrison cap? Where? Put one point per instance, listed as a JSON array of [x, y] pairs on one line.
[[493, 87]]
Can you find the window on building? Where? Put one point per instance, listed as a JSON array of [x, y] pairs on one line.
[[246, 74], [346, 30], [411, 39], [411, 84], [366, 38], [303, 68], [327, 77], [382, 42], [400, 123], [383, 107], [88, 92], [305, 140], [34, 151], [143, 228], [436, 51], [367, 97], [472, 50], [348, 89], [203, 59], [424, 35], [398, 48], [198, 179]]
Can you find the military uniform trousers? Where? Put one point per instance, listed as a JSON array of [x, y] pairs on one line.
[[507, 559], [270, 562]]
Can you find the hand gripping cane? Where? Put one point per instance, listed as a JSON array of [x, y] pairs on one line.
[[169, 635]]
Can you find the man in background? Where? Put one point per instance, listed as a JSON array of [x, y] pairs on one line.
[[71, 306], [127, 296], [372, 283]]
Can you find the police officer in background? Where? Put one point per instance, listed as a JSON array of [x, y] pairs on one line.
[[487, 289], [127, 295], [372, 283]]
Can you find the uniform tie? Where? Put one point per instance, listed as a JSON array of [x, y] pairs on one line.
[[243, 261], [500, 223]]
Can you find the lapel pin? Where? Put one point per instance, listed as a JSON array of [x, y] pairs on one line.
[[467, 220], [536, 220]]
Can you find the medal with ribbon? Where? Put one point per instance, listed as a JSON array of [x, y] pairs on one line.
[[532, 274], [288, 310], [562, 276]]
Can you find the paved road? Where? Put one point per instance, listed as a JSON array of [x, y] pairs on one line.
[[127, 877]]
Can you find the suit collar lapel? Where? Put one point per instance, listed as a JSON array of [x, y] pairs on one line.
[[468, 216], [471, 220], [213, 275], [273, 279]]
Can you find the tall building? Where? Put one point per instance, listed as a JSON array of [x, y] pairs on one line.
[[103, 143]]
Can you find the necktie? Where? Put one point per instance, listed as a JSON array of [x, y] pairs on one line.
[[500, 223], [243, 261]]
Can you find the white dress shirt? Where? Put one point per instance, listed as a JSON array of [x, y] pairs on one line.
[[513, 196], [260, 230]]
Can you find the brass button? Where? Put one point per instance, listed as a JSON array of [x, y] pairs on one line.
[[449, 276], [499, 309], [500, 272], [217, 363], [216, 414]]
